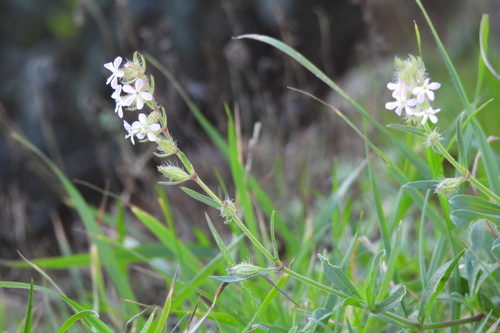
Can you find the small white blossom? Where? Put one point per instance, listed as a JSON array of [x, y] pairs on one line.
[[120, 102], [144, 129], [399, 88], [426, 89], [116, 72], [400, 104], [428, 113], [136, 94], [130, 130]]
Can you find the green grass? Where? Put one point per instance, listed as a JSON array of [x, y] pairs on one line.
[[368, 256]]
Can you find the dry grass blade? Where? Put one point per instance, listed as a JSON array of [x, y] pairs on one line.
[[216, 296]]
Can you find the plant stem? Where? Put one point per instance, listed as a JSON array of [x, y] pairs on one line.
[[464, 171]]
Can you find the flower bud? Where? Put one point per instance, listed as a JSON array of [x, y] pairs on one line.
[[175, 174], [135, 68], [433, 138], [410, 70], [228, 210], [167, 147], [448, 186], [247, 270]]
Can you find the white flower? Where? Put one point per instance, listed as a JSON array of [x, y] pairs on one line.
[[114, 67], [144, 129], [399, 104], [136, 94], [426, 89], [120, 102], [399, 88], [130, 130], [428, 113]]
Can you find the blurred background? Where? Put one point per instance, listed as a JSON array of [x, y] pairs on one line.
[[53, 91]]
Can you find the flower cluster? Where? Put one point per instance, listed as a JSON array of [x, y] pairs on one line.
[[413, 92], [134, 89]]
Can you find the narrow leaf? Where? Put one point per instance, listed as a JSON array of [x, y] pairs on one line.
[[29, 311], [423, 184], [373, 278], [74, 318], [483, 43], [462, 157], [409, 129], [200, 197]]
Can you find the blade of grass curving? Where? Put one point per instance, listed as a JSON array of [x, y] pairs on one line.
[[492, 169], [405, 150], [117, 275], [484, 32], [75, 318], [29, 311]]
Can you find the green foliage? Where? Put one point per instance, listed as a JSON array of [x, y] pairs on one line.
[[390, 258]]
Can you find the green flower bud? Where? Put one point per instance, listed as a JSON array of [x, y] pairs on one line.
[[410, 70], [167, 147], [246, 270], [175, 174], [433, 138], [228, 210], [448, 186]]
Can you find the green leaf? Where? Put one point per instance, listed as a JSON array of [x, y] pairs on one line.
[[496, 244], [74, 318], [423, 184], [409, 129], [146, 327], [372, 289], [353, 302], [483, 43], [232, 278], [487, 305], [200, 197], [395, 296], [29, 311], [435, 286], [462, 157], [462, 218], [338, 278], [475, 204]]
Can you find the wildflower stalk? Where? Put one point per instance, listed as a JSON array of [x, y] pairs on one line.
[[464, 171]]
